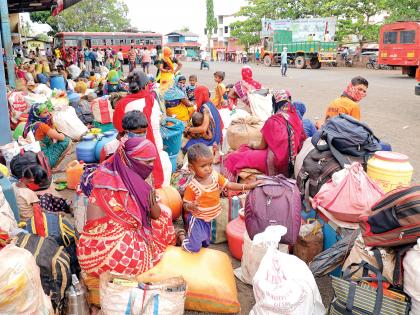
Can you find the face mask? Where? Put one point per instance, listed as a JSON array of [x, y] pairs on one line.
[[135, 135], [32, 186]]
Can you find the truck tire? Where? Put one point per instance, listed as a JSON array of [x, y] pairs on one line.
[[417, 89], [315, 64], [267, 61], [300, 62], [411, 72]]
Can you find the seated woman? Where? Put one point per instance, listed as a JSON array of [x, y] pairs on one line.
[[113, 84], [176, 100], [282, 138], [241, 88], [126, 230], [210, 130], [167, 69], [55, 145]]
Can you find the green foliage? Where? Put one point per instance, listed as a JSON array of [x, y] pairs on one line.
[[185, 29], [354, 17], [88, 16], [211, 22]]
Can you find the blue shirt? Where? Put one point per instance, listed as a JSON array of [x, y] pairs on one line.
[[284, 57]]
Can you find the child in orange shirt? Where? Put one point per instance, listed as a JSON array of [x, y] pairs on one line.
[[202, 197], [220, 89]]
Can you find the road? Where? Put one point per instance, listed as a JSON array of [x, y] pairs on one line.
[[391, 109]]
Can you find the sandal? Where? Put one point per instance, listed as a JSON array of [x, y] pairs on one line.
[[180, 234]]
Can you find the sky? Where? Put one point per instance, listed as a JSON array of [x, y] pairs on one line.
[[174, 15]]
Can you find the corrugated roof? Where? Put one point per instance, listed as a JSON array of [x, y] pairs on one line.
[[20, 6], [186, 34]]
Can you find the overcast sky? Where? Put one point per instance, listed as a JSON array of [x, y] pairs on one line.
[[165, 16]]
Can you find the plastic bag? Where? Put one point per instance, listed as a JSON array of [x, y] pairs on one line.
[[284, 284], [254, 251], [261, 104], [354, 195], [7, 219], [67, 122], [309, 242], [20, 284]]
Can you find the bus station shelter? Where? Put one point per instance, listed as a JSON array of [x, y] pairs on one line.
[[8, 7]]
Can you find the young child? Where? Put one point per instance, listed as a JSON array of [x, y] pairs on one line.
[[196, 121], [229, 102], [190, 88], [25, 190], [202, 197], [219, 90]]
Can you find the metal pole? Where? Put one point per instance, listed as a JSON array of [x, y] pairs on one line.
[[7, 42], [5, 134]]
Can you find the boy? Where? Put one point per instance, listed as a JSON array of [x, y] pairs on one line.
[[190, 88], [219, 90], [202, 197], [196, 121]]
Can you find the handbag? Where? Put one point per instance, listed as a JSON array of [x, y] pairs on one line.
[[358, 296]]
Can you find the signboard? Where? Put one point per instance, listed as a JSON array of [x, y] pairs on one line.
[[302, 29]]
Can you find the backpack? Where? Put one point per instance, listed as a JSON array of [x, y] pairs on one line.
[[345, 135], [84, 112], [26, 159], [276, 202], [53, 262], [317, 169], [395, 219]]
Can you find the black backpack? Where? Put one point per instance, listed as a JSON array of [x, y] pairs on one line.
[[345, 135], [53, 262]]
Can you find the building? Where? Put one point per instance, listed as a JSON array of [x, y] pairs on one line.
[[184, 44], [224, 47]]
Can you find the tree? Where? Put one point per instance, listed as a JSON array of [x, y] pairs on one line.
[[211, 22], [403, 10], [185, 29], [88, 16]]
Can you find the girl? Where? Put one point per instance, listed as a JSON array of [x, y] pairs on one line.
[[220, 89]]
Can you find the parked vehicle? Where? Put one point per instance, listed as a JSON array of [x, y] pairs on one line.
[[348, 61]]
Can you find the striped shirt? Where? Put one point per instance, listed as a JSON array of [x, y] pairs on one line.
[[207, 197]]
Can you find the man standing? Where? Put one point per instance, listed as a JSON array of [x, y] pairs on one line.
[[120, 58], [153, 54], [203, 57], [284, 61], [257, 56], [132, 59]]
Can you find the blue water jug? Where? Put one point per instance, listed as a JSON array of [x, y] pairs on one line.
[[9, 194], [85, 150], [57, 82], [173, 159], [107, 136], [171, 131], [74, 98]]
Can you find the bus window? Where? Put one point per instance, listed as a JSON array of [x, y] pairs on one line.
[[390, 37], [108, 42], [122, 42], [407, 37], [70, 42], [147, 42], [58, 42], [137, 41]]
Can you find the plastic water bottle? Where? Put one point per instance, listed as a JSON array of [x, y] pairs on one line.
[[236, 205], [76, 298]]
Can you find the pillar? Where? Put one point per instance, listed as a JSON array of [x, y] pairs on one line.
[[5, 133], [7, 42]]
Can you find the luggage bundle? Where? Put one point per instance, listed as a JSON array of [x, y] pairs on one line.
[[244, 131]]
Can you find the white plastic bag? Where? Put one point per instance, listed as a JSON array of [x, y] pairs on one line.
[[284, 284], [261, 106], [253, 251], [167, 168], [7, 218], [411, 265], [67, 122]]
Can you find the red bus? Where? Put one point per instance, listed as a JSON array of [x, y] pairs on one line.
[[399, 45], [113, 40]]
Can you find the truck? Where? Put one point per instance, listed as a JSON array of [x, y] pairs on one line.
[[312, 53], [399, 45]]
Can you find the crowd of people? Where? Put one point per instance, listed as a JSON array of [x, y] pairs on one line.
[[126, 230]]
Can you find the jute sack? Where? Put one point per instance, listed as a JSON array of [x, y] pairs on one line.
[[244, 131]]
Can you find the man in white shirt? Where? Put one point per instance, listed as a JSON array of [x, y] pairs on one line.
[[203, 57], [121, 58]]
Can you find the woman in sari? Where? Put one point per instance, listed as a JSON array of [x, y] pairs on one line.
[[176, 100], [167, 69], [241, 88], [211, 122], [282, 138], [141, 99], [55, 145], [126, 230]]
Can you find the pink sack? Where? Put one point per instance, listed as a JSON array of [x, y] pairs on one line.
[[354, 195]]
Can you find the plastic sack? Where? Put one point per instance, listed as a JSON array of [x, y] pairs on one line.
[[261, 104], [167, 168], [80, 211], [210, 281], [244, 131], [17, 105], [411, 265], [254, 250], [123, 295], [284, 284], [354, 195], [67, 122], [226, 117], [20, 284]]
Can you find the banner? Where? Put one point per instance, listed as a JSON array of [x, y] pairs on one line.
[[302, 29]]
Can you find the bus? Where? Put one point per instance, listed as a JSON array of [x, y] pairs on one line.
[[399, 45], [102, 40]]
